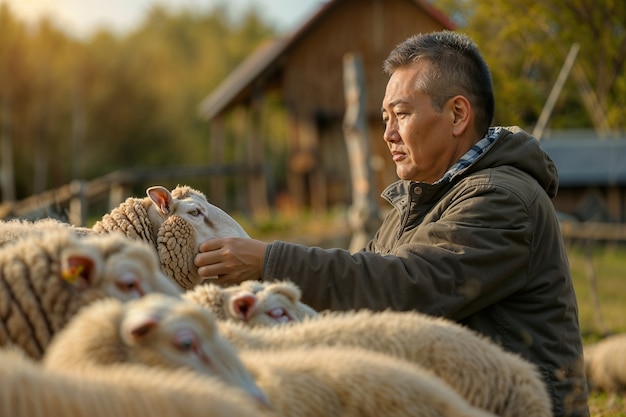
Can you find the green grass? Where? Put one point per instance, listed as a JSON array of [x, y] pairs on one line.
[[609, 266], [608, 316]]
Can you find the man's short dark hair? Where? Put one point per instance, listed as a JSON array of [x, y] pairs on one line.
[[455, 67]]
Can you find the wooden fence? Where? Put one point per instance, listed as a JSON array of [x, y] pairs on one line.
[[116, 186], [593, 231]]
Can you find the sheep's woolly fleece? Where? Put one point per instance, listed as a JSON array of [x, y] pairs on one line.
[[45, 279], [605, 364], [348, 381], [300, 383], [253, 303], [11, 230], [29, 390], [140, 331], [175, 223], [482, 372]]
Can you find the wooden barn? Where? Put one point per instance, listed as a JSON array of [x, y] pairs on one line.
[[305, 70]]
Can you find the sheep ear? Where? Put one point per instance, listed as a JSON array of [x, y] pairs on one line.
[[138, 325], [161, 197], [78, 269], [288, 289], [142, 328]]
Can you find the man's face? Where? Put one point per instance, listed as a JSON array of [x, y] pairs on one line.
[[420, 139]]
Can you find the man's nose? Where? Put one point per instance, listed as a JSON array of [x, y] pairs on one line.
[[391, 133]]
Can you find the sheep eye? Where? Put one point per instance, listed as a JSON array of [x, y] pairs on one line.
[[129, 282], [195, 212], [127, 286], [185, 341]]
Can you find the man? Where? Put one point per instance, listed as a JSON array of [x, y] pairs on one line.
[[472, 235]]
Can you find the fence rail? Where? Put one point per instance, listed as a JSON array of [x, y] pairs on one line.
[[593, 231], [78, 194]]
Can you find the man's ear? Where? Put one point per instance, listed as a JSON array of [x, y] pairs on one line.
[[462, 112]]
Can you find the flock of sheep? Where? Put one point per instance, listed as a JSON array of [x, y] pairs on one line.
[[114, 320]]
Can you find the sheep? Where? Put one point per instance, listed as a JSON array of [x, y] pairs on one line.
[[13, 229], [175, 224], [301, 382], [29, 390], [482, 372], [253, 303], [110, 332], [46, 278], [605, 364], [349, 381]]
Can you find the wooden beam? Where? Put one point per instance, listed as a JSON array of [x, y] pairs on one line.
[[363, 216], [546, 112]]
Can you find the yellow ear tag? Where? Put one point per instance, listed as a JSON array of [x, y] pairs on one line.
[[72, 272]]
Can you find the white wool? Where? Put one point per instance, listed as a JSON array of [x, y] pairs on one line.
[[143, 331], [28, 390], [482, 372], [348, 381], [605, 364], [14, 229], [47, 277], [253, 303], [300, 382]]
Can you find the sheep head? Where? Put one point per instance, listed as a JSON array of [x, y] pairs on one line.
[[157, 331], [253, 303], [131, 268], [166, 331], [114, 266], [188, 219]]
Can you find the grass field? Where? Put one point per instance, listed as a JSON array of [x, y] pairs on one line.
[[608, 264]]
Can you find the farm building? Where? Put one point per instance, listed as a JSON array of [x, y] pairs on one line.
[[592, 175], [306, 71]]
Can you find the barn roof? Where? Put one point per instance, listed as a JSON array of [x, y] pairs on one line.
[[263, 63], [584, 162]]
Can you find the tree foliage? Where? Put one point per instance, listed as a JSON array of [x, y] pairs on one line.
[[80, 108], [525, 42]]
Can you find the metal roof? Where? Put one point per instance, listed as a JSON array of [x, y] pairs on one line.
[[265, 60], [583, 162]]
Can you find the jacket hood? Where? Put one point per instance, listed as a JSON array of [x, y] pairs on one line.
[[514, 147]]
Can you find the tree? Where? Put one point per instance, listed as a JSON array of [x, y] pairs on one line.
[[526, 42]]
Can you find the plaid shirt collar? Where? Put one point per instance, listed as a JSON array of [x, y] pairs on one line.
[[473, 154]]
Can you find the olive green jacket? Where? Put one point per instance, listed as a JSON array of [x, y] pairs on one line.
[[484, 249]]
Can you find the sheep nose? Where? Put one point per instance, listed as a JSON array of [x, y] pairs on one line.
[[243, 305]]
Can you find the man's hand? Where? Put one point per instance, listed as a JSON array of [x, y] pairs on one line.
[[231, 259]]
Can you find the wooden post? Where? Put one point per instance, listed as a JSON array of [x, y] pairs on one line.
[[117, 195], [540, 127], [78, 204], [363, 216], [7, 174], [295, 184], [217, 186], [257, 186], [593, 286]]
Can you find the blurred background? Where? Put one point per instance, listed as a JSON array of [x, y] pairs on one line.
[[245, 99]]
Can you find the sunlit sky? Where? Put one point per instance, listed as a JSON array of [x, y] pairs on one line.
[[82, 17]]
